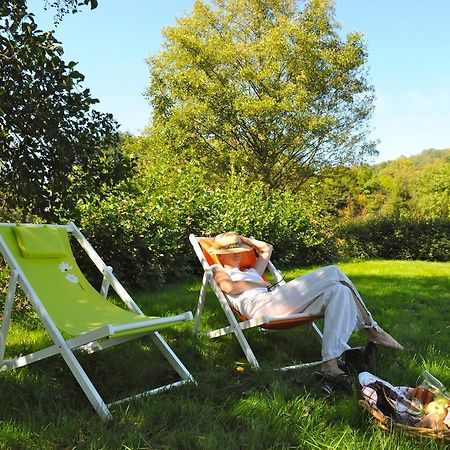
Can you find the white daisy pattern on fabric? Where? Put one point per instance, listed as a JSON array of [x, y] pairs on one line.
[[64, 267], [72, 278]]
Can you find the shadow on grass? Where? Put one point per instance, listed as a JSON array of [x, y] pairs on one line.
[[48, 386], [233, 406]]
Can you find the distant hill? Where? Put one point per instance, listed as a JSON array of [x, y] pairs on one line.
[[424, 158], [430, 155]]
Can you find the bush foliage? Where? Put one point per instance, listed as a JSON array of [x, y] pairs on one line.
[[397, 239], [141, 226], [144, 235]]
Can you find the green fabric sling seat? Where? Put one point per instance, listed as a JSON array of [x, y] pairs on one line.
[[41, 261]]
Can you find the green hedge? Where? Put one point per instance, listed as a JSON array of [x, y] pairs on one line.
[[397, 239], [144, 234]]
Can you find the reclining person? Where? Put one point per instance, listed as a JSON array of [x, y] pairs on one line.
[[327, 291]]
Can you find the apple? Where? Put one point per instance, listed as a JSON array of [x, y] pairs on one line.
[[443, 401], [436, 406]]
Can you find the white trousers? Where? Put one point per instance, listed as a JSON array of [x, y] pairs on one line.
[[328, 292]]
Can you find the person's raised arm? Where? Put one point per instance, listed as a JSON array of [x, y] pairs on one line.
[[264, 251], [227, 285]]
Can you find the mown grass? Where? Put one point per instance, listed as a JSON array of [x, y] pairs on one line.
[[232, 406]]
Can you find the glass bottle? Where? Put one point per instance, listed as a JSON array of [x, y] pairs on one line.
[[430, 382]]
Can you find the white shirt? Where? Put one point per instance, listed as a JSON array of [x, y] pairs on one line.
[[239, 301]]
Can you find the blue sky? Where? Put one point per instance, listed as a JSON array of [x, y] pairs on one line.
[[409, 61]]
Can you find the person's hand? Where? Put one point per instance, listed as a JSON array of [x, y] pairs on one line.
[[246, 240]]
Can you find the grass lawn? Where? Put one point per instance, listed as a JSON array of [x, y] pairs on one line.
[[233, 406]]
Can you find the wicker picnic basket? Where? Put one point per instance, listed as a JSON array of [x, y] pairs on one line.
[[386, 423]]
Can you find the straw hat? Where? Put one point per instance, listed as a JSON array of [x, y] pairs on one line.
[[228, 242]]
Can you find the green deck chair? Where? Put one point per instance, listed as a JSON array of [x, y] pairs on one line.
[[41, 262]]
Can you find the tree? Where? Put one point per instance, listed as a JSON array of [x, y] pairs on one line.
[[263, 89], [47, 126], [64, 7], [432, 196]]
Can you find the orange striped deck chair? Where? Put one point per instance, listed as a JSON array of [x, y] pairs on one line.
[[237, 321]]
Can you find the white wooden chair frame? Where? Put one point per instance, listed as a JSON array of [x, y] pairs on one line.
[[237, 326], [89, 342]]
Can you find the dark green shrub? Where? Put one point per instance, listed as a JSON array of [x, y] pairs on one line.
[[397, 239], [300, 231], [143, 233]]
